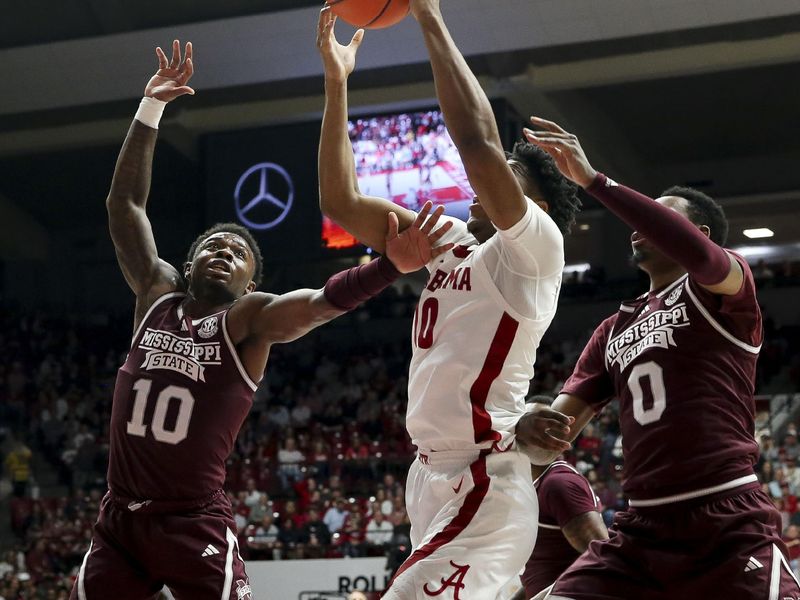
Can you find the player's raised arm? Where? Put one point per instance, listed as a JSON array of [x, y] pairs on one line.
[[130, 228], [339, 194], [470, 121], [276, 319], [686, 243]]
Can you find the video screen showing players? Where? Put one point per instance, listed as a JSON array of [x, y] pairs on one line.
[[408, 158]]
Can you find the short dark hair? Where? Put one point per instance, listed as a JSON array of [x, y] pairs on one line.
[[559, 192], [243, 233], [540, 399], [703, 210]]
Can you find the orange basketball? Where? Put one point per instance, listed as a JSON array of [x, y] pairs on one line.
[[370, 14]]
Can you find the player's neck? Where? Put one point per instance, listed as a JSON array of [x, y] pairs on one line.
[[198, 307], [665, 277]]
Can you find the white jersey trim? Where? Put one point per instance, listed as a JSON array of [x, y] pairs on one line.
[[158, 301], [546, 526], [557, 463], [226, 588], [235, 354], [695, 494], [82, 574], [671, 286], [778, 560], [728, 336]]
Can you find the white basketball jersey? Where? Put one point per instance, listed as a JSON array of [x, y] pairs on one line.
[[476, 329]]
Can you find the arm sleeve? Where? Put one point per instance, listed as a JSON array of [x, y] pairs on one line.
[[674, 235], [566, 495], [534, 246], [590, 381]]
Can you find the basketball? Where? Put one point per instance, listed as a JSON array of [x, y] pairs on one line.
[[370, 14]]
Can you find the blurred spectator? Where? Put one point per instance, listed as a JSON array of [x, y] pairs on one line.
[[379, 530], [18, 466], [335, 516]]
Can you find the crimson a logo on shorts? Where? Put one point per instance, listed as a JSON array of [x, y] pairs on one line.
[[455, 581], [243, 590]]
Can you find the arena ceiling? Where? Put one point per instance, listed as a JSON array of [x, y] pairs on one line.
[[660, 91]]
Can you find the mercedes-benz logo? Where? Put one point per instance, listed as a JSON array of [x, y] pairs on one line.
[[256, 206]]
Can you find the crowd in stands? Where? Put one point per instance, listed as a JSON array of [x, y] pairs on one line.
[[318, 468]]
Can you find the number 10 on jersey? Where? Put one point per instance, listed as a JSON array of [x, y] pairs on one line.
[[424, 321]]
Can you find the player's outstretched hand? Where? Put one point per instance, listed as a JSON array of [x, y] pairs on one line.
[[564, 148], [415, 247], [170, 80], [339, 61], [545, 428]]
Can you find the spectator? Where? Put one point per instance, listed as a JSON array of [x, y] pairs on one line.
[[290, 460], [335, 516], [316, 527], [379, 530], [791, 537], [18, 466]]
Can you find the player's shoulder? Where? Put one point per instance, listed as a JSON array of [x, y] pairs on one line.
[[562, 479]]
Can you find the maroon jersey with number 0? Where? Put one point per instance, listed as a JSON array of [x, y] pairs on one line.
[[682, 362]]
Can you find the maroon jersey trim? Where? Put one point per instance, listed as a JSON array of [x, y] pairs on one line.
[[722, 331], [158, 301], [492, 366], [253, 386], [722, 487]]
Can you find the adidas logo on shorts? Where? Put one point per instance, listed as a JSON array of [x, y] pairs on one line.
[[210, 551], [753, 565]]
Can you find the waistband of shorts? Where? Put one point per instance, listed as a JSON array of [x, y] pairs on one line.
[[466, 456], [144, 506], [436, 458], [727, 488]]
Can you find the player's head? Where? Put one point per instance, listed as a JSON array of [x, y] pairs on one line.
[[542, 182], [224, 262], [699, 208], [539, 399]]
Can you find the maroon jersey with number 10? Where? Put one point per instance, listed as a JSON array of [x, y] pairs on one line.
[[179, 402], [682, 362]]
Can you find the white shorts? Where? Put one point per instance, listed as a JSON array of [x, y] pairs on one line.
[[473, 525]]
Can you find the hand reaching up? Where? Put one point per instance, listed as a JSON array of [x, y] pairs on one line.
[[415, 247], [170, 80]]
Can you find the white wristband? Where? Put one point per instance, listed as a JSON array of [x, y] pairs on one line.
[[150, 111]]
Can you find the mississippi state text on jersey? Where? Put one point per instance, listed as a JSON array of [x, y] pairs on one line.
[[682, 362], [179, 402]]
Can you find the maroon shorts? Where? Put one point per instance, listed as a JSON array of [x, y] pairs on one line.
[[138, 548], [724, 547]]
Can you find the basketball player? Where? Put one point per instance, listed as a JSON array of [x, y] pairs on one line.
[[201, 342], [569, 520], [681, 359], [478, 324]]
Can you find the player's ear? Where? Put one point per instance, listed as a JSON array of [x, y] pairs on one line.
[[251, 287], [187, 269], [706, 230]]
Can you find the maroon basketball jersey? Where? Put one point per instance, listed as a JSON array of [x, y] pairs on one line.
[[179, 402], [682, 362], [563, 495]]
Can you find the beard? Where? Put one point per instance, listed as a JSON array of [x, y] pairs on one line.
[[639, 256]]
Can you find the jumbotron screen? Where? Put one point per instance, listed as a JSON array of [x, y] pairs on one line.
[[407, 158]]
